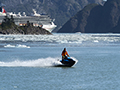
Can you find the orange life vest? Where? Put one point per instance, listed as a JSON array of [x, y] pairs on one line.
[[65, 53]]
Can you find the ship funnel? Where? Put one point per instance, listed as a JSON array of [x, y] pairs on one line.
[[35, 13]]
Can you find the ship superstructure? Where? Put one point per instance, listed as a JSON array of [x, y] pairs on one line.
[[43, 21]]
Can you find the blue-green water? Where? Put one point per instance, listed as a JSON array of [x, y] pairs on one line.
[[26, 62]]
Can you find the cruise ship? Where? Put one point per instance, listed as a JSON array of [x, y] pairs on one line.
[[43, 21]]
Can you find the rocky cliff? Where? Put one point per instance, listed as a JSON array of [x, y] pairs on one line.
[[95, 18], [61, 10]]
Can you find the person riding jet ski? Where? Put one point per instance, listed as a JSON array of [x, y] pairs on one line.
[[64, 54], [66, 60]]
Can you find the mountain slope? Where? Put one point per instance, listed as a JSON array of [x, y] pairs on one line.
[[95, 18]]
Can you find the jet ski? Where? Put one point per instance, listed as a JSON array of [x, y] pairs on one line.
[[67, 62]]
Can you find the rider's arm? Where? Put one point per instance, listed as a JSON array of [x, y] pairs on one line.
[[67, 54]]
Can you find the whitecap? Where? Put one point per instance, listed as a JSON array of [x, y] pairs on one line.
[[96, 41], [9, 46], [16, 46], [22, 46]]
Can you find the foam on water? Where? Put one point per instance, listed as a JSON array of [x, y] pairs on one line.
[[42, 62], [16, 46], [63, 38], [96, 41]]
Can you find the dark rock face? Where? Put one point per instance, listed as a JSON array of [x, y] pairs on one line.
[[25, 30], [111, 15], [12, 30], [95, 18], [34, 30]]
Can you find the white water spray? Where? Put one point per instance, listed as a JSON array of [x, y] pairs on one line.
[[42, 62]]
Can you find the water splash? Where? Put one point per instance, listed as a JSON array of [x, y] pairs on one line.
[[42, 62]]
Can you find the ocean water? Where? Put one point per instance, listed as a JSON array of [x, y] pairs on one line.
[[27, 62]]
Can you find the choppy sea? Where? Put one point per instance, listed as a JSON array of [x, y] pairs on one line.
[[27, 62]]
